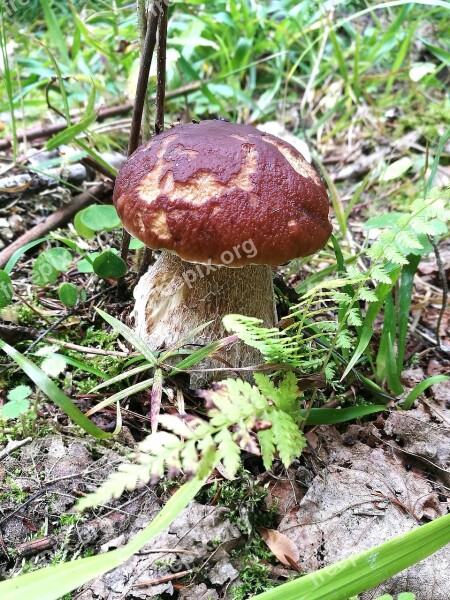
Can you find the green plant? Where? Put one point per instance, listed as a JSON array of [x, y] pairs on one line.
[[18, 402], [316, 341], [254, 577]]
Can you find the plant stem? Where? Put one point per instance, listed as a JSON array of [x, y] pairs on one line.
[[141, 92]]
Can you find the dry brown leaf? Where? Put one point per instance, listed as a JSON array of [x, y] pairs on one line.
[[282, 547]]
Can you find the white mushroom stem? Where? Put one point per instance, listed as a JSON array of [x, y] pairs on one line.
[[174, 297]]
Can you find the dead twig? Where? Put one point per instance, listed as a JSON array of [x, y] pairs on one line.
[[164, 579], [57, 219], [13, 446], [42, 133], [138, 110]]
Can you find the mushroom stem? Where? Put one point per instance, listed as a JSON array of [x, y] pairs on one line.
[[174, 297]]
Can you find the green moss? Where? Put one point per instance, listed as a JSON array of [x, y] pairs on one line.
[[255, 579]]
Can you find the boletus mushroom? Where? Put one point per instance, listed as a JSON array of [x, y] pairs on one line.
[[224, 203]]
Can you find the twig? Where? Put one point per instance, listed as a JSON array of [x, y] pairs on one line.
[[88, 161], [13, 446], [142, 15], [164, 579], [161, 69], [160, 103], [142, 83], [48, 131], [57, 219], [141, 91], [88, 350]]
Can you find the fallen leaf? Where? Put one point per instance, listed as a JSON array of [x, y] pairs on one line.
[[282, 547]]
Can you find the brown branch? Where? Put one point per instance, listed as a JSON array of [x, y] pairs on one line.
[[161, 69], [45, 132], [37, 133], [142, 83], [57, 219], [160, 103], [138, 110]]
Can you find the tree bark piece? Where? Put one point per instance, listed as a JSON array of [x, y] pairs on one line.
[[174, 297], [57, 219]]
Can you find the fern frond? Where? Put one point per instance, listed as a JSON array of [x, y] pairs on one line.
[[273, 344]]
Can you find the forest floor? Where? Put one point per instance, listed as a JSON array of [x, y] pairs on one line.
[[354, 486]]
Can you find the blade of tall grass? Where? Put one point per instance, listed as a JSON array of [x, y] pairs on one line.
[[386, 365], [130, 336], [403, 306], [54, 30], [382, 291], [420, 388], [7, 81], [331, 416], [50, 389], [18, 253], [364, 571]]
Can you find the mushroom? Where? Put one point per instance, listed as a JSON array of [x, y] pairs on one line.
[[224, 203]]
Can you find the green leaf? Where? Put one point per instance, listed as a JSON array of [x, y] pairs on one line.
[[15, 408], [19, 393], [18, 253], [421, 387], [404, 305], [56, 34], [386, 363], [43, 272], [100, 217], [70, 133], [51, 390], [86, 265], [364, 571], [81, 228], [49, 264], [109, 265], [6, 289], [54, 365], [136, 244], [365, 335], [330, 416], [68, 294], [396, 169], [78, 364], [130, 336]]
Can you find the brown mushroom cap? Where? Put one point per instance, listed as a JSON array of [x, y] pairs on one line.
[[215, 190]]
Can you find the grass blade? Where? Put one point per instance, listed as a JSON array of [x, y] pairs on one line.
[[70, 133], [129, 391], [330, 416], [383, 289], [155, 399], [54, 29], [117, 378], [404, 305], [421, 387], [51, 390], [386, 363], [130, 336], [18, 253], [368, 569]]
